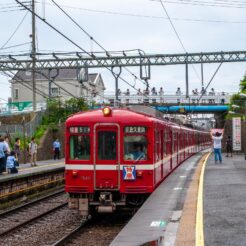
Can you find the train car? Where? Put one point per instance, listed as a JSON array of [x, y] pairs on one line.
[[117, 157]]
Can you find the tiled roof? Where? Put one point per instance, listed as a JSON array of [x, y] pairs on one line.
[[64, 74]]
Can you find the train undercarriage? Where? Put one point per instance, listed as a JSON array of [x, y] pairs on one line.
[[104, 202]]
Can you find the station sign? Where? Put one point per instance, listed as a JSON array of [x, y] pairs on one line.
[[236, 133], [80, 129], [135, 129]]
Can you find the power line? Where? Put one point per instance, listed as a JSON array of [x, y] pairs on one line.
[[149, 16], [14, 32], [177, 35], [13, 46], [200, 3], [91, 38], [22, 82], [70, 40]]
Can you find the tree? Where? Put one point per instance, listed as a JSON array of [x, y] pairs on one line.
[[58, 111], [242, 84]]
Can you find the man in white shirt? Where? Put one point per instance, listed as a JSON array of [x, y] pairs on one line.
[[33, 148], [217, 146]]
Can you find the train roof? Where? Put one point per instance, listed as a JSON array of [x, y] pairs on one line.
[[119, 115]]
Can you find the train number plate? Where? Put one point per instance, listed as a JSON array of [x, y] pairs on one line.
[[129, 172]]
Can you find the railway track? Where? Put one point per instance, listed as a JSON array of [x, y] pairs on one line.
[[49, 221], [100, 230], [20, 216], [72, 234]]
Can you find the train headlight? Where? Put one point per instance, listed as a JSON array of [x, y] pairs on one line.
[[75, 173], [107, 111], [139, 173]]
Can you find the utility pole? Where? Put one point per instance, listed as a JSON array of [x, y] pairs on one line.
[[33, 56]]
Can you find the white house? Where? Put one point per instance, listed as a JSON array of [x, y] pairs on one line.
[[64, 84]]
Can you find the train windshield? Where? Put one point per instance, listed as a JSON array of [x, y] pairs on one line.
[[80, 147], [135, 147], [107, 145]]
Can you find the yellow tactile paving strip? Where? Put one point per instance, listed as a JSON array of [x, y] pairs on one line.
[[190, 231]]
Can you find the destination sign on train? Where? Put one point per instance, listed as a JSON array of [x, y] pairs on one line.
[[135, 129], [80, 129]]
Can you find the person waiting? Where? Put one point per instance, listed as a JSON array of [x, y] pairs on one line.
[[56, 149], [228, 146], [212, 93], [11, 163], [153, 91], [161, 92], [178, 92]]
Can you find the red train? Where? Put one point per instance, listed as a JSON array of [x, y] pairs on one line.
[[117, 157]]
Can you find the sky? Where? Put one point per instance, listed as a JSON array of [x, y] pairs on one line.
[[202, 26]]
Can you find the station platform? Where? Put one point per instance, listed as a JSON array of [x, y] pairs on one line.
[[27, 169], [180, 212], [47, 174]]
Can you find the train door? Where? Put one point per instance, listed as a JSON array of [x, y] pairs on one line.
[[106, 156]]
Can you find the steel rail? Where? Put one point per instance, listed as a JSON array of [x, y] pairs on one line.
[[4, 233], [71, 234], [9, 211]]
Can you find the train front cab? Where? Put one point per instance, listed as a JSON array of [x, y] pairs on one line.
[[101, 170]]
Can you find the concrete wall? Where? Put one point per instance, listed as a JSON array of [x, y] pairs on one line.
[[45, 147]]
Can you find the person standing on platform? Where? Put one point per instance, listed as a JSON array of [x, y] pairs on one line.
[[7, 153], [33, 149], [228, 146], [17, 148], [12, 163], [56, 149], [217, 146], [3, 150]]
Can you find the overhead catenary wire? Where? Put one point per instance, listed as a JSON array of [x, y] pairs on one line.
[[177, 35], [69, 39], [14, 32], [14, 46], [24, 83], [208, 4], [149, 16], [91, 38]]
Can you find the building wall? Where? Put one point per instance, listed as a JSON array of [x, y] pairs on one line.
[[72, 87]]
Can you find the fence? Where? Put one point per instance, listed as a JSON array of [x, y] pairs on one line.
[[30, 126]]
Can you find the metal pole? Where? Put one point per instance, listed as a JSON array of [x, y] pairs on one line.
[[116, 76], [33, 56], [244, 122], [187, 80], [202, 75], [49, 85], [24, 138]]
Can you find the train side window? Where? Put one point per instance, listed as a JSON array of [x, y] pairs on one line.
[[135, 147], [165, 143], [80, 147], [106, 145]]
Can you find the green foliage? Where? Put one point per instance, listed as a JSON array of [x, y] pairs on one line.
[[238, 100], [58, 111], [40, 131], [242, 84]]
